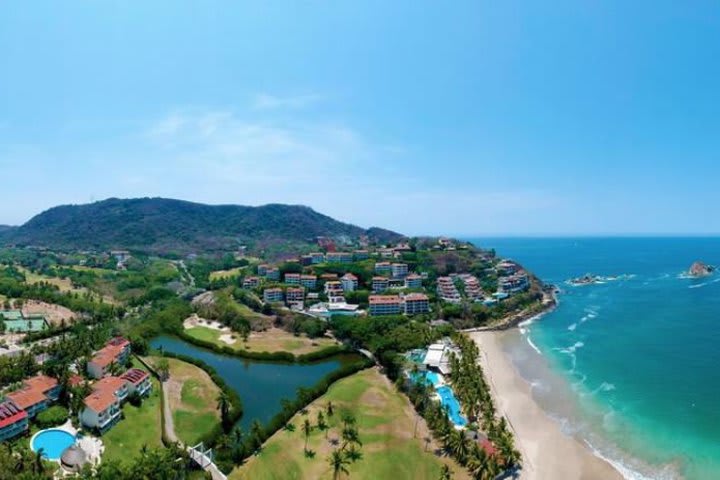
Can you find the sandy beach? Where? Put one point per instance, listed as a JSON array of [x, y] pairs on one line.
[[547, 452]]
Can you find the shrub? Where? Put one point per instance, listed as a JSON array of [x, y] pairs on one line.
[[52, 417]]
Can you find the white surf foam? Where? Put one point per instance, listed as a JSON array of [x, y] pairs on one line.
[[627, 472], [534, 347], [572, 327]]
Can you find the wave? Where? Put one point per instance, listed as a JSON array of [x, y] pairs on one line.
[[627, 472], [572, 327], [534, 347], [704, 284], [605, 387], [572, 348]]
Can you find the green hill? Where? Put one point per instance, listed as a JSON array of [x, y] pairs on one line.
[[161, 225]]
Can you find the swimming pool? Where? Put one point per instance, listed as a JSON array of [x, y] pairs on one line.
[[448, 400], [53, 442], [417, 356], [430, 378]]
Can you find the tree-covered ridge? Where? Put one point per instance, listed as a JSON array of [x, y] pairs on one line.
[[176, 226]]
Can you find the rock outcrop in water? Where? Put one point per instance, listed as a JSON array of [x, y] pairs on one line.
[[699, 269]]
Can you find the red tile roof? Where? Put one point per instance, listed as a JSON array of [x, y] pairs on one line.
[[135, 376], [416, 297], [109, 353], [26, 398], [10, 413], [111, 384], [41, 383], [100, 400], [384, 299]]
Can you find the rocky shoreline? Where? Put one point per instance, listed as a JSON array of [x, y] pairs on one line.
[[548, 304]]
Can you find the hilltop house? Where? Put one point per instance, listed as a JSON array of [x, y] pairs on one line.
[[339, 257], [413, 281], [415, 303], [349, 282], [295, 296], [399, 270], [384, 305], [379, 284], [308, 281], [292, 278], [272, 295]]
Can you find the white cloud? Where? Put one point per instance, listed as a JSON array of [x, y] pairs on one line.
[[264, 101]]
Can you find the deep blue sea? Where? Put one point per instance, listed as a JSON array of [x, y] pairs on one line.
[[640, 356]]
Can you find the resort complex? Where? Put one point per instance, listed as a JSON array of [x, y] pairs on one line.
[[169, 363]]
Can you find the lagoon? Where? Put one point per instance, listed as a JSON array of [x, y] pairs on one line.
[[260, 385]]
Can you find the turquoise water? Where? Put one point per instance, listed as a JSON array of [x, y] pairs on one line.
[[431, 378], [260, 385], [53, 442], [641, 355], [448, 400]]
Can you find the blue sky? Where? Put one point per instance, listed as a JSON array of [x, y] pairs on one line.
[[590, 117]]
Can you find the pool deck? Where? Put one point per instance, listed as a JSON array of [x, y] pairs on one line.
[[92, 446]]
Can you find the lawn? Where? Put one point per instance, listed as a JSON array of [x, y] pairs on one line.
[[141, 426], [193, 401], [219, 274], [385, 421], [271, 340]]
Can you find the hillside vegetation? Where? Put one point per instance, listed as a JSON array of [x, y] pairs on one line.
[[162, 225]]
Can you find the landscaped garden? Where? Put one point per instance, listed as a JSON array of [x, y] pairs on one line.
[[394, 443]]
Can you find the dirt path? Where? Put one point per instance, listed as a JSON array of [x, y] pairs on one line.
[[168, 423]]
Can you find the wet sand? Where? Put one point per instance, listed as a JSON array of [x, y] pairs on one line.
[[547, 452]]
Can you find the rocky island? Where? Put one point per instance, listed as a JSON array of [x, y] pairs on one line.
[[700, 269]]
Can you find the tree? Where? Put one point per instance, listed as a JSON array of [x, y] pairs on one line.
[[329, 409], [163, 369], [445, 473], [224, 406], [338, 462], [321, 425], [307, 430]]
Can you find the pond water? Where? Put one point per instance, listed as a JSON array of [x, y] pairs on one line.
[[260, 385]]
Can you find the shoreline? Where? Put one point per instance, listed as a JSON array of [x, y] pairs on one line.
[[547, 452]]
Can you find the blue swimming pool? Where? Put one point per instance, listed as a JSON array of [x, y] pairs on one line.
[[53, 443], [431, 378], [448, 400], [417, 356]]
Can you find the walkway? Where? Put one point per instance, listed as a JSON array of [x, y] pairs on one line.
[[206, 463], [200, 458], [168, 424]]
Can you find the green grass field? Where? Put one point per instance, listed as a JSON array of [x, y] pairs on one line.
[[272, 340], [193, 401], [141, 426], [386, 422], [233, 272]]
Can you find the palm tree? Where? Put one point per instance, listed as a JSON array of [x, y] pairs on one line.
[[237, 435], [349, 419], [321, 425], [445, 473], [350, 436], [338, 462], [459, 446], [38, 466], [479, 464], [224, 406], [307, 430], [329, 409]]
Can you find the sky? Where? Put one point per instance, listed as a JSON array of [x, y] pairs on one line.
[[462, 118]]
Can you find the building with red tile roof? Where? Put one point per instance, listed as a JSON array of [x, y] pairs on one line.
[[13, 420]]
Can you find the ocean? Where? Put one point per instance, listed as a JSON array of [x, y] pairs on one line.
[[631, 366]]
